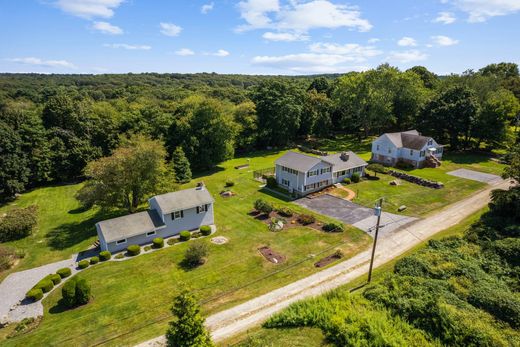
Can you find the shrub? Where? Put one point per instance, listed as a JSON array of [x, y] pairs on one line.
[[403, 165], [119, 256], [64, 272], [18, 223], [105, 255], [83, 264], [347, 180], [173, 241], [158, 242], [133, 250], [377, 168], [285, 211], [333, 227], [263, 206], [230, 183], [94, 260], [45, 285], [306, 219], [55, 278], [271, 182], [184, 235], [355, 177], [68, 293], [205, 230], [196, 254], [35, 294], [82, 291]]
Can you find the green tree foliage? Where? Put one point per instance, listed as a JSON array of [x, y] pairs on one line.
[[279, 107], [376, 168], [316, 115], [181, 166], [320, 85], [187, 330], [197, 253], [513, 169], [428, 78], [247, 125], [134, 171], [14, 171], [18, 223], [205, 129]]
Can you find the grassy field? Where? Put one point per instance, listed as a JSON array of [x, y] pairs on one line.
[[285, 336], [132, 298]]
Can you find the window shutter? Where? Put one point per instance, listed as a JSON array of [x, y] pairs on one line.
[[182, 214], [173, 215], [198, 209]]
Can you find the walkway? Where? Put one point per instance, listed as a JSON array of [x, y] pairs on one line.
[[253, 312]]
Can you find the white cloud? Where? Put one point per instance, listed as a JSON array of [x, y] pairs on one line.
[[207, 8], [184, 52], [300, 16], [45, 63], [444, 40], [373, 40], [287, 37], [481, 10], [107, 28], [170, 29], [407, 42], [407, 56], [221, 53], [445, 18], [307, 63], [127, 46], [89, 8], [349, 51]]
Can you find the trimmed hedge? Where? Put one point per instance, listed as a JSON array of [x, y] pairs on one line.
[[83, 264], [105, 255], [45, 285], [347, 180], [205, 230], [94, 260], [184, 235], [55, 278], [82, 291], [76, 292], [158, 242], [68, 293], [306, 219], [333, 227], [64, 272], [133, 250], [35, 294]]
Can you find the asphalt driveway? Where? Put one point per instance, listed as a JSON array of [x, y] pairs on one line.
[[476, 176], [350, 213]]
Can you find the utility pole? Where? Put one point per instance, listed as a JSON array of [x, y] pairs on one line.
[[378, 211]]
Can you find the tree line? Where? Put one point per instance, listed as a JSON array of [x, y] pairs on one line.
[[52, 126]]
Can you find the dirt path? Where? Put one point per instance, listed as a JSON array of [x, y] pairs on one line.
[[351, 194], [253, 312]]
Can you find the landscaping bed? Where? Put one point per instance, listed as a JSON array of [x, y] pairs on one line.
[[328, 260], [292, 222], [271, 255]]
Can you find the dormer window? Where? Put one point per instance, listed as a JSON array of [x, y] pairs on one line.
[[430, 142]]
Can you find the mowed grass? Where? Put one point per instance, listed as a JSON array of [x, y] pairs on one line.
[[132, 298]]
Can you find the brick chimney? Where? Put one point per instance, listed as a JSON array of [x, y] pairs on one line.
[[344, 156]]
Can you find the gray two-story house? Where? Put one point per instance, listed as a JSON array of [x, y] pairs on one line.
[[168, 215], [302, 174]]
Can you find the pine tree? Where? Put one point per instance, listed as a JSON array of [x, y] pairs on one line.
[[181, 166], [188, 329]]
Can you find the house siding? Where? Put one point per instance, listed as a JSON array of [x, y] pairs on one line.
[[349, 174], [382, 145]]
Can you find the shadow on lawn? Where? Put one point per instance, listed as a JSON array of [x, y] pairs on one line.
[[69, 234], [468, 157]]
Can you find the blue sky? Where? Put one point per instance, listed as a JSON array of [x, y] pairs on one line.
[[255, 36]]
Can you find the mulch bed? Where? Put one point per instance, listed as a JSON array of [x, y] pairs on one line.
[[327, 260], [271, 255], [292, 222]]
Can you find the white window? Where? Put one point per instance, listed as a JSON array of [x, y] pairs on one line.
[[389, 150], [312, 173], [202, 208], [285, 182], [325, 170], [119, 242], [411, 152], [150, 233], [422, 153], [177, 215], [289, 170]]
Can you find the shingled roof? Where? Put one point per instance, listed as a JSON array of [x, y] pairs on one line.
[[344, 161], [183, 199], [298, 161], [132, 225], [408, 139]]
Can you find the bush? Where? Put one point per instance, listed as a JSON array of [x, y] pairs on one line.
[[68, 293], [184, 235], [333, 227], [94, 260], [306, 219], [355, 177], [45, 285], [230, 183], [35, 294], [83, 264], [55, 278], [403, 165], [105, 255], [18, 223], [119, 256], [377, 168], [64, 272], [205, 230], [347, 180], [285, 211], [173, 241], [133, 250], [271, 182], [196, 254], [82, 291], [263, 206], [158, 242]]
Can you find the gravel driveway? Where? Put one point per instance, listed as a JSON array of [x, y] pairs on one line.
[[350, 213], [475, 176]]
